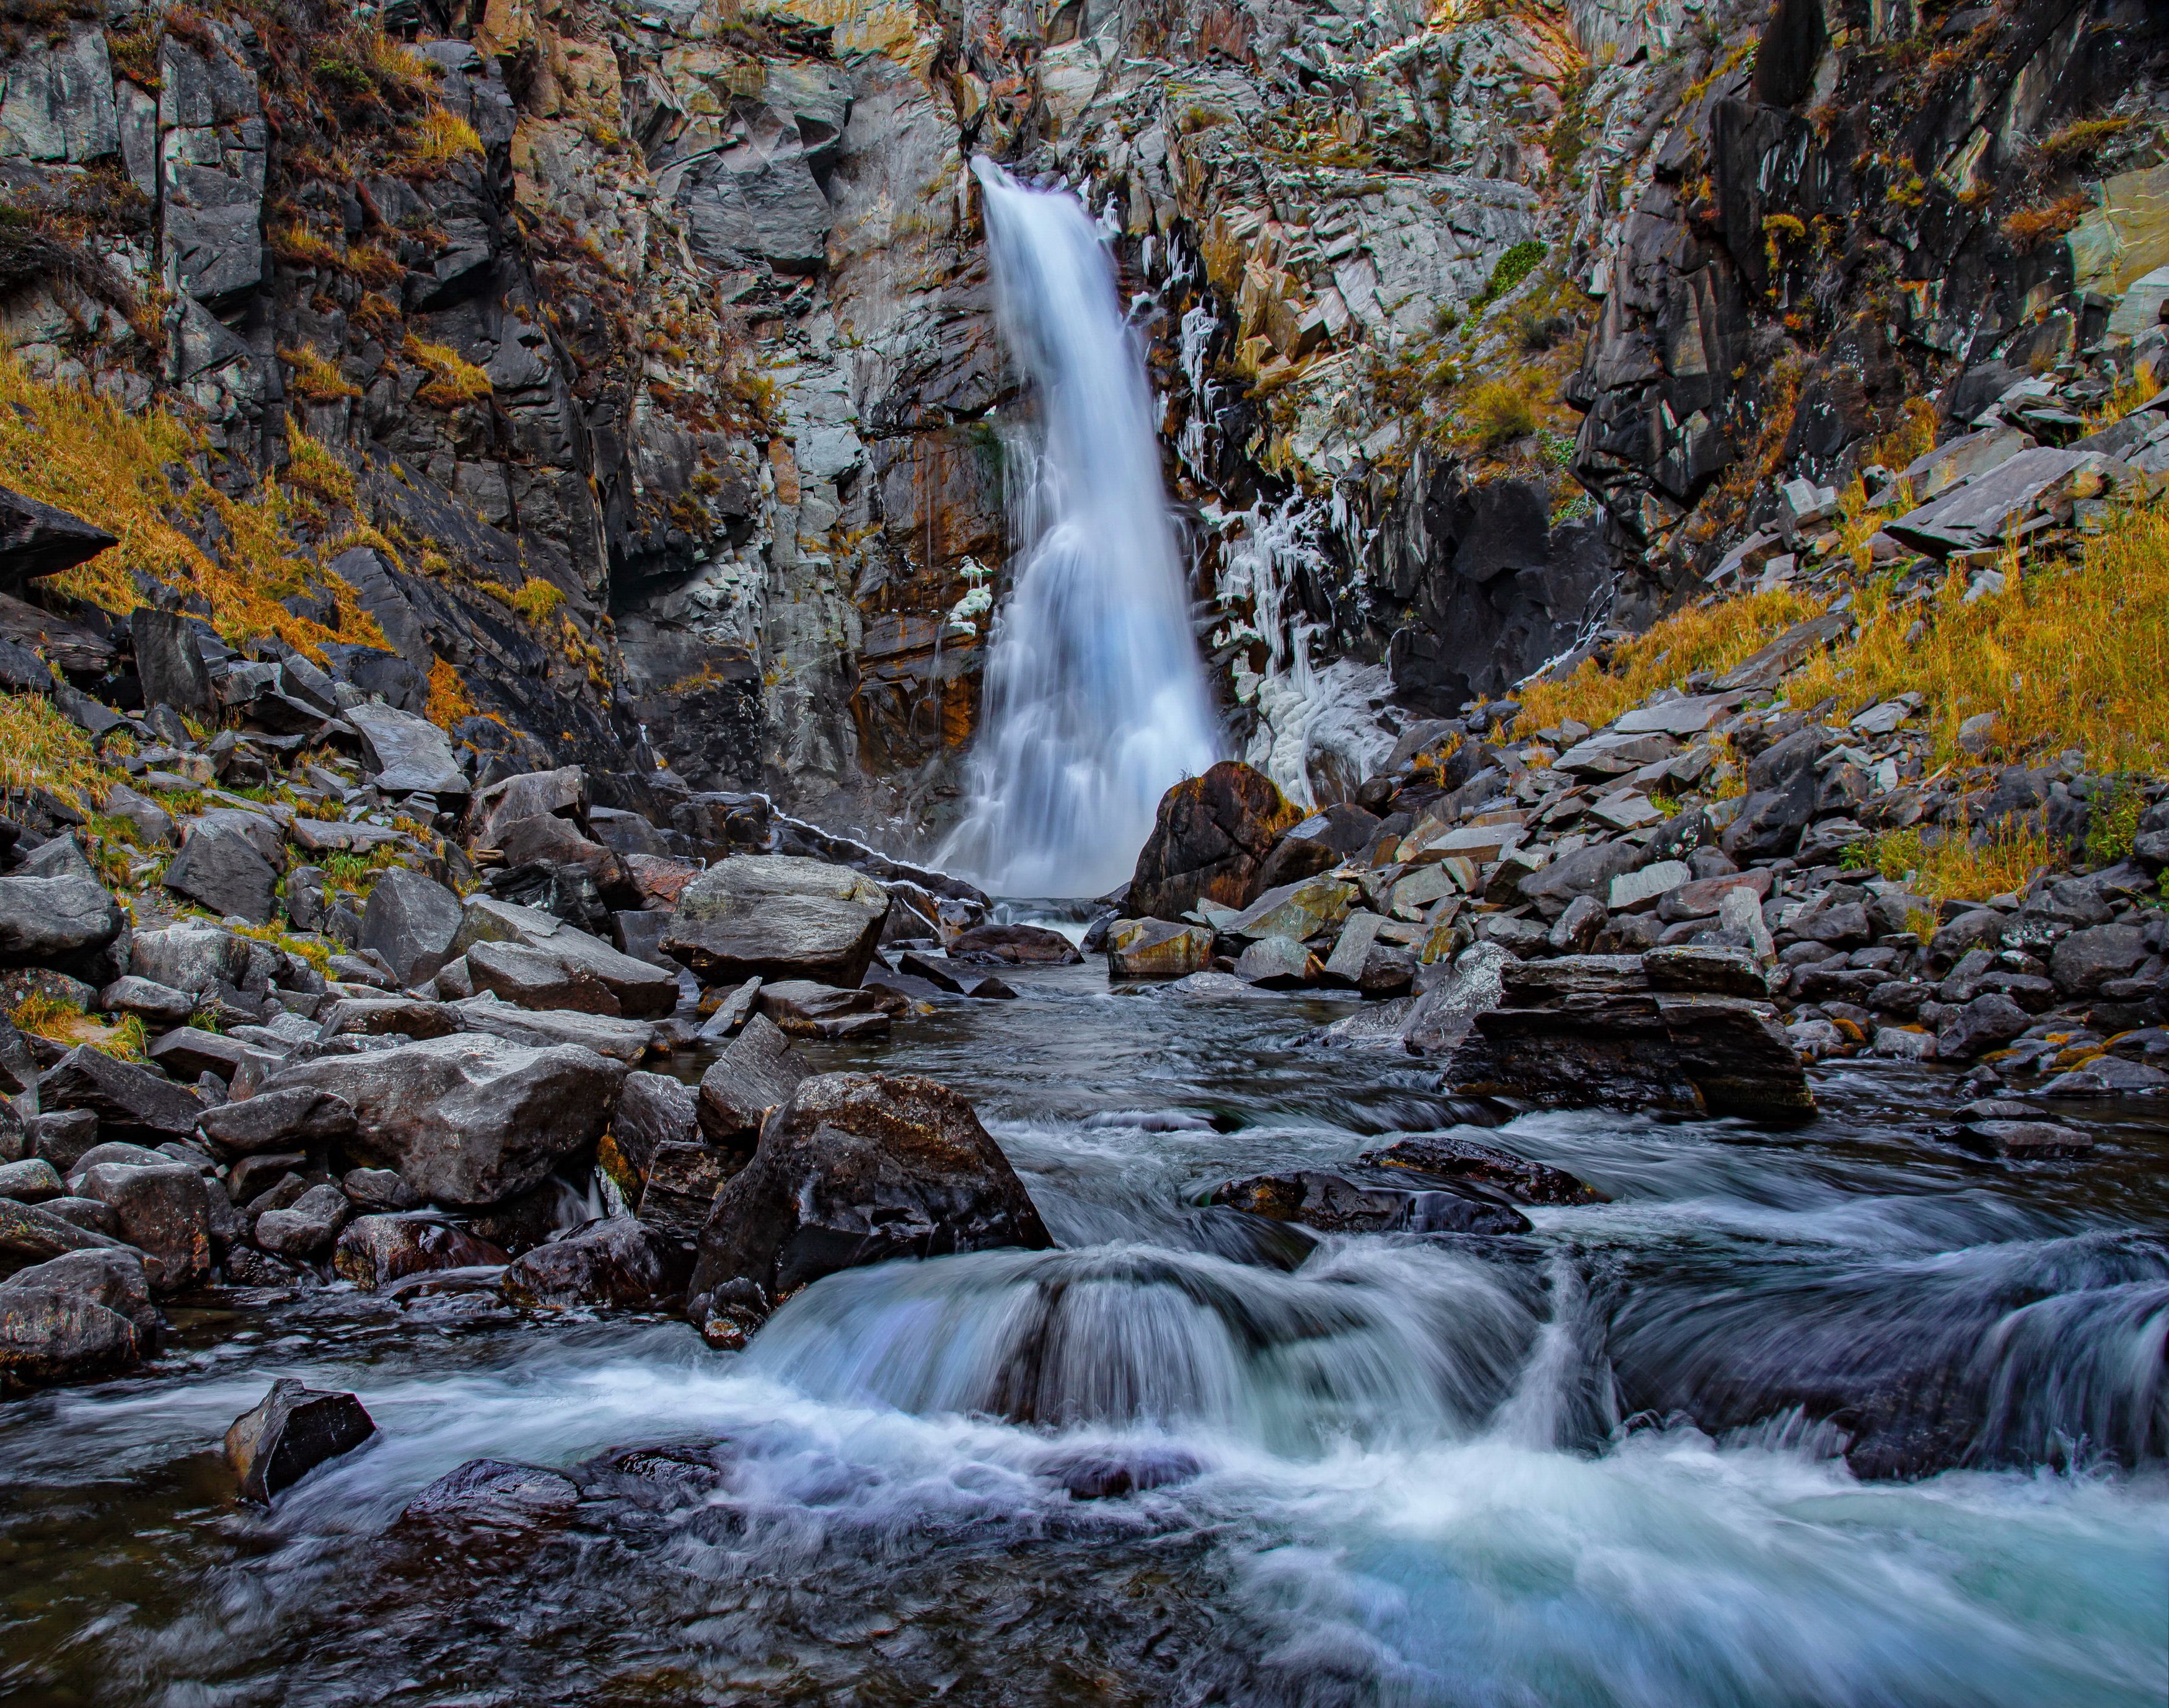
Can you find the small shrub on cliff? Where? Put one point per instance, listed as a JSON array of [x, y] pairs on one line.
[[536, 600], [1514, 266], [1498, 412], [453, 379], [2079, 142], [2031, 227], [317, 380], [444, 137]]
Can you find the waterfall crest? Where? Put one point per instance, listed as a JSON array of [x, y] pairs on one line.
[[1096, 702]]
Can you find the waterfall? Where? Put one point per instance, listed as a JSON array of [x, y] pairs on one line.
[[1096, 702]]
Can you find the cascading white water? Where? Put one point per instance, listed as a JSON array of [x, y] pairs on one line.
[[1096, 700]]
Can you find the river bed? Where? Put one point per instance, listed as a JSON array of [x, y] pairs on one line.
[[1181, 1459]]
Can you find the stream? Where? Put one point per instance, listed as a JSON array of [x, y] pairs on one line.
[[1189, 1458]]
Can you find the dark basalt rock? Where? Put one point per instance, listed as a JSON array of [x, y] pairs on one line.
[[779, 916], [130, 1102], [1014, 946], [616, 1261], [756, 1073], [1445, 1158], [1209, 842], [36, 540], [45, 920], [1333, 1203], [164, 1211], [470, 1119], [218, 868], [292, 1431], [373, 1252], [411, 921], [1592, 1031], [495, 1491], [84, 1313], [858, 1169]]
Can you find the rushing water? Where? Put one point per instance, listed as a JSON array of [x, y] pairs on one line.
[[1598, 1463], [1096, 700]]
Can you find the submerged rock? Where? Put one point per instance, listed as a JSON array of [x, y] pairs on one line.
[[617, 1262], [1014, 945], [373, 1252], [1333, 1203]]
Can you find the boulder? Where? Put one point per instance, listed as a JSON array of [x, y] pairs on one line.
[[1601, 1031], [130, 1102], [375, 1251], [2021, 1139], [1014, 946], [32, 1180], [617, 1262], [1157, 949], [494, 1492], [1585, 871], [2107, 1076], [190, 1052], [411, 921], [406, 754], [192, 957], [75, 1317], [1279, 963], [803, 1009], [1210, 841], [220, 869], [34, 1233], [164, 1211], [1443, 1157], [1986, 1022], [377, 1189], [858, 1169], [536, 794], [43, 919], [154, 1004], [779, 916], [290, 1432], [1297, 911], [654, 1109], [1317, 845], [301, 1116], [551, 842], [757, 1073], [170, 660], [380, 1017], [467, 1120], [622, 1040], [682, 1180], [305, 1229], [640, 990], [537, 978], [2085, 960]]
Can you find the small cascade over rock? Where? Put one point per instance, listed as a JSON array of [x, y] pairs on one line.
[[1096, 700]]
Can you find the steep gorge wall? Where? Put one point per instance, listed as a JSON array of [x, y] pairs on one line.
[[657, 337]]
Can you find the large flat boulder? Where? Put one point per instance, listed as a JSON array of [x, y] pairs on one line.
[[130, 1102], [219, 868], [640, 990], [858, 1169], [779, 916], [408, 755], [468, 1120], [48, 919], [1599, 1031], [759, 1071], [1209, 842]]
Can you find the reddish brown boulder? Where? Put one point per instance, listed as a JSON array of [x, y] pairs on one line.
[[1209, 842]]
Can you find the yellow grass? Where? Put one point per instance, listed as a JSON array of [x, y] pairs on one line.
[[2074, 657], [453, 379], [87, 455], [448, 699], [2003, 863], [1711, 638], [40, 749], [318, 381], [536, 599], [443, 137]]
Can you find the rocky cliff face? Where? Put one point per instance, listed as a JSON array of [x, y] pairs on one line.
[[634, 362]]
